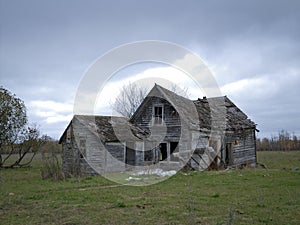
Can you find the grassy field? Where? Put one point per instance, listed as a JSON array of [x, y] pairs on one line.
[[248, 196]]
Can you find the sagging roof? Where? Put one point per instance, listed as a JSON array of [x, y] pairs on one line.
[[235, 119], [206, 113], [109, 128]]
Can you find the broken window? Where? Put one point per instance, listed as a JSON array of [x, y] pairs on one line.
[[158, 114], [173, 148]]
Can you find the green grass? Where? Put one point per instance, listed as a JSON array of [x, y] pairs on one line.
[[248, 196]]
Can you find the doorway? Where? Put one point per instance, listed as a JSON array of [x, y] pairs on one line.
[[163, 151], [228, 154], [130, 156]]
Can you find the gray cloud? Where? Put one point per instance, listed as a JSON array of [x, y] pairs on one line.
[[46, 46]]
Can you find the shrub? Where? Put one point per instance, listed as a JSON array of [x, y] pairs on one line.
[[51, 167]]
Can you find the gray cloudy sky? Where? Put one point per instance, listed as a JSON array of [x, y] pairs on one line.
[[252, 48]]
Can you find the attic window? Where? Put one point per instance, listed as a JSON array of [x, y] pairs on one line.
[[158, 114]]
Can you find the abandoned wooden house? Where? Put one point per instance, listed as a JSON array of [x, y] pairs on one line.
[[166, 131]]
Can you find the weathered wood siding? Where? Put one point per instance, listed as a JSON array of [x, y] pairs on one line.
[[73, 161], [243, 146], [170, 117], [70, 160], [94, 150], [172, 131], [85, 153], [115, 158]]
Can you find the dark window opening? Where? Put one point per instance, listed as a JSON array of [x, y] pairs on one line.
[[173, 148], [158, 114], [163, 151]]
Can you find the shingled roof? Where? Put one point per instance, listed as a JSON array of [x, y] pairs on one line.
[[110, 128], [235, 119], [185, 107], [211, 113]]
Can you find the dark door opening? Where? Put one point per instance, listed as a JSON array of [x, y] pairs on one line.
[[130, 156], [163, 151], [228, 154]]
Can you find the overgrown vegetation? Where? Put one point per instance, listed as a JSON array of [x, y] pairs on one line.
[[51, 168], [248, 196], [284, 141]]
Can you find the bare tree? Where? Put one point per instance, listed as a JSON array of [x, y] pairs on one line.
[[129, 99], [132, 95], [281, 142], [184, 92]]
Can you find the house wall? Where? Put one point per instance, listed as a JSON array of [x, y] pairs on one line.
[[243, 146], [115, 157], [94, 156], [172, 131], [70, 163], [85, 154], [73, 162], [170, 117]]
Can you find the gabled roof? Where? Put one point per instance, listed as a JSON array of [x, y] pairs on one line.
[[185, 107], [211, 113]]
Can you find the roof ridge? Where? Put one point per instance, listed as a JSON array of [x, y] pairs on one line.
[[104, 116]]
